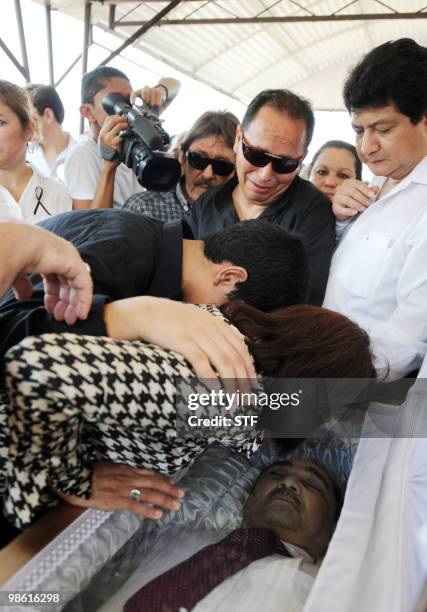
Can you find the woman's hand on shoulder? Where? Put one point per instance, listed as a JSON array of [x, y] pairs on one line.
[[214, 348]]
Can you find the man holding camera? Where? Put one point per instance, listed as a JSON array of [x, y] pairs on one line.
[[93, 182], [207, 160]]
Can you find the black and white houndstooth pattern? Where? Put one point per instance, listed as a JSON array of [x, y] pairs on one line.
[[77, 399]]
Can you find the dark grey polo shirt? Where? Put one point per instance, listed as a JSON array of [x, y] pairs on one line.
[[302, 209]]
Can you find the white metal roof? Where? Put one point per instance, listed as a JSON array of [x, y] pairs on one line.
[[240, 59]]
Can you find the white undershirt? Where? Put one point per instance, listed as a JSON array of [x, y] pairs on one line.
[[38, 159], [83, 169], [51, 194]]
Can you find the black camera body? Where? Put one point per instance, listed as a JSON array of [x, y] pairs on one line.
[[142, 145]]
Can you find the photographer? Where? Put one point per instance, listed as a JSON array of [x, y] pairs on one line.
[[207, 160], [91, 181]]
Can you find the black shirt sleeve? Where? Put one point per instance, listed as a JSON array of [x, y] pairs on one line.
[[29, 318], [317, 231], [121, 248]]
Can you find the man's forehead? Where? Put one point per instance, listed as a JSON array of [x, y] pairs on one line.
[[211, 140], [300, 465], [115, 85], [214, 146], [372, 115], [274, 127]]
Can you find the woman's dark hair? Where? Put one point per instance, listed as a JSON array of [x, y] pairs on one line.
[[339, 144], [17, 100], [303, 342]]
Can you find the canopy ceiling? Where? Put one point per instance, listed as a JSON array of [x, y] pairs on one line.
[[242, 46]]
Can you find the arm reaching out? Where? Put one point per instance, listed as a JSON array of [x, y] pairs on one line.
[[213, 347], [67, 282], [159, 96]]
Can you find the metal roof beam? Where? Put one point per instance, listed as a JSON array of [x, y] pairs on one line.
[[13, 59], [147, 25], [49, 42], [103, 2], [87, 36], [22, 42], [293, 19], [69, 69]]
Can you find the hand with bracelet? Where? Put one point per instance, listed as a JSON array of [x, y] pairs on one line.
[[110, 141], [159, 96], [155, 97]]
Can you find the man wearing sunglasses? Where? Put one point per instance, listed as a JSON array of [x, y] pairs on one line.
[[270, 146], [207, 160]]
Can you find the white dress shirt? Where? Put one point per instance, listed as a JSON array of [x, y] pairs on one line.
[[83, 169], [42, 198], [273, 584], [378, 275], [37, 158], [377, 559]]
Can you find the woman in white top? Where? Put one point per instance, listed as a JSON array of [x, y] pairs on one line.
[[24, 193]]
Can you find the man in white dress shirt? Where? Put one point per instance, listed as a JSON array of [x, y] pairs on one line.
[[378, 274], [299, 502], [53, 145]]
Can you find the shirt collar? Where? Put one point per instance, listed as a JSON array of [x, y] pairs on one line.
[[297, 552], [180, 196], [167, 277], [417, 175]]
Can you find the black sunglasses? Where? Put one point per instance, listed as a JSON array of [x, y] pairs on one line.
[[201, 162], [259, 158]]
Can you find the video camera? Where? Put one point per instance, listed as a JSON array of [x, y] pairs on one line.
[[143, 144]]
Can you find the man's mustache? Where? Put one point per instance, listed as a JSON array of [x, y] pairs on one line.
[[284, 492], [201, 182]]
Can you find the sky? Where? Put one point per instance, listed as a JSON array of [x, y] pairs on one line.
[[194, 97]]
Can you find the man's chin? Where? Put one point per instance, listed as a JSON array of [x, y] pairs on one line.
[[379, 168], [281, 516], [199, 190], [263, 197]]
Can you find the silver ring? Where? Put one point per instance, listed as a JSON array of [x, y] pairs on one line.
[[135, 495]]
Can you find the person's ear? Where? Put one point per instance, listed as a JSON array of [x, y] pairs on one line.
[[86, 111], [49, 114], [29, 131], [181, 157], [229, 275], [239, 133]]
